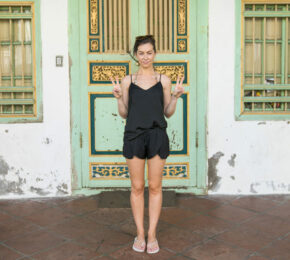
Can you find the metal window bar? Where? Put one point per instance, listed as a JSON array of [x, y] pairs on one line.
[[16, 89], [267, 60]]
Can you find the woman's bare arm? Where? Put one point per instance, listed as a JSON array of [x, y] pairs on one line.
[[170, 101]]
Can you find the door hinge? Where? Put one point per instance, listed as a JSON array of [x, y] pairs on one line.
[[196, 139], [81, 140]]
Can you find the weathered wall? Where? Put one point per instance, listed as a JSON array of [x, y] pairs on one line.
[[35, 157], [245, 157]]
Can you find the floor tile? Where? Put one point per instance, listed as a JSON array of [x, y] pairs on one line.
[[273, 226], [50, 216], [205, 225], [278, 250], [69, 251], [34, 242], [8, 254], [216, 250], [80, 205], [254, 203], [127, 253], [198, 204], [232, 214], [178, 239], [247, 238], [174, 215]]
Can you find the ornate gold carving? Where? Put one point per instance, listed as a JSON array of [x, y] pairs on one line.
[[181, 45], [172, 71], [94, 45], [175, 171], [181, 16], [94, 16], [109, 171], [104, 72]]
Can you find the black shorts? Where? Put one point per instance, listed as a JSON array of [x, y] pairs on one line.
[[148, 144]]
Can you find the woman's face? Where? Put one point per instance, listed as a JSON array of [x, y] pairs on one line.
[[145, 54]]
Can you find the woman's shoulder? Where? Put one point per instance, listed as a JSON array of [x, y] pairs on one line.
[[165, 80], [126, 80]]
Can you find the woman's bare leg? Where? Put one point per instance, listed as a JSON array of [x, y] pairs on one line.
[[155, 169], [136, 170]]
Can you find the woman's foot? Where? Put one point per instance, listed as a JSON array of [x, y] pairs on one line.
[[152, 247], [139, 245]]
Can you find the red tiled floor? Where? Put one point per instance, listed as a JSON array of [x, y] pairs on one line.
[[239, 227], [246, 238], [8, 254], [216, 250], [232, 214], [273, 226], [254, 203], [69, 251], [34, 242], [205, 225], [278, 250]]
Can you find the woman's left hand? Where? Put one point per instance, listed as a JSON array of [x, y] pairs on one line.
[[179, 89]]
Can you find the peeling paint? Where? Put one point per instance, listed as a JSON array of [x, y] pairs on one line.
[[233, 177], [62, 188], [231, 162], [6, 131], [4, 167], [252, 190], [213, 179], [47, 140], [261, 123], [39, 191]]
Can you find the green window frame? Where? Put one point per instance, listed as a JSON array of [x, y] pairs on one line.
[[262, 62], [20, 62]]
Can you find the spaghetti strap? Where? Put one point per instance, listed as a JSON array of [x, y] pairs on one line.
[[131, 78], [160, 77]]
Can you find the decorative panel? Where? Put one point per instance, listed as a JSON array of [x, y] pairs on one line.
[[172, 69], [111, 171], [167, 20], [176, 171], [100, 72]]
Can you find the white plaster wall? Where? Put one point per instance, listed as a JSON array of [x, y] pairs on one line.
[[260, 150], [35, 157]]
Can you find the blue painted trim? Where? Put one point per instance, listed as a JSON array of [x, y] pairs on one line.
[[184, 34], [183, 39], [173, 26], [103, 37]]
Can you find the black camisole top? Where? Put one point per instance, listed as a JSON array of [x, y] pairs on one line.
[[145, 110]]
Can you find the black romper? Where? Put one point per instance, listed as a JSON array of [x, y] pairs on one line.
[[145, 130]]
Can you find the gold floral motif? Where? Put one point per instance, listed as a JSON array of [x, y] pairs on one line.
[[103, 72], [94, 16], [177, 171], [110, 171], [172, 71], [181, 16], [94, 45], [181, 45]]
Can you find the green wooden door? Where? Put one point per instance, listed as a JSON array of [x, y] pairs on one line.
[[101, 33]]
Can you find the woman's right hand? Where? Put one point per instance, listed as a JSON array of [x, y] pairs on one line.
[[117, 91]]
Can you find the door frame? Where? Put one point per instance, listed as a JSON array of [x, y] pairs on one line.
[[201, 102]]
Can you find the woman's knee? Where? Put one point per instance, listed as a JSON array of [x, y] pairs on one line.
[[138, 189], [154, 188]]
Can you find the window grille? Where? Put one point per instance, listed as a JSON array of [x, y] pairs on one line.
[[17, 83], [265, 58]]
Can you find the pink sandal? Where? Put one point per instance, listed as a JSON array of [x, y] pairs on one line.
[[152, 247], [139, 246]]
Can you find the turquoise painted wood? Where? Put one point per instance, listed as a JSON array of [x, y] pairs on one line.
[[97, 129]]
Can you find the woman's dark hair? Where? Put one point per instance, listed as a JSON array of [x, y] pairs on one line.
[[142, 40]]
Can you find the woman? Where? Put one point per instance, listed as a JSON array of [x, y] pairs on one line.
[[143, 99]]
